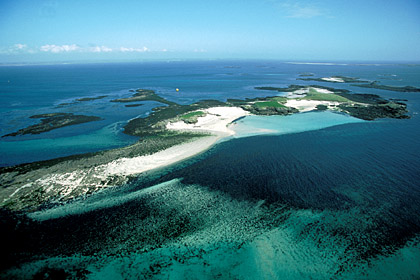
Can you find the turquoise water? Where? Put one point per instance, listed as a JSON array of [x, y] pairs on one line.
[[258, 125], [44, 148], [317, 195]]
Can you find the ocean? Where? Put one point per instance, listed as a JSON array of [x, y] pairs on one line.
[[316, 195]]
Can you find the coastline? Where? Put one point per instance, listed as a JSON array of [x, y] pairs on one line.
[[215, 123], [74, 178]]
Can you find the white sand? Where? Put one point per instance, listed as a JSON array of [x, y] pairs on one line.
[[333, 79], [136, 165], [215, 121], [322, 90], [301, 92], [308, 105]]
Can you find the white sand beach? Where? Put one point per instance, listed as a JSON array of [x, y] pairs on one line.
[[308, 105], [322, 90], [333, 79], [215, 122]]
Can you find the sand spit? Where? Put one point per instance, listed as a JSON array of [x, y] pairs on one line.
[[137, 165], [215, 122], [62, 182]]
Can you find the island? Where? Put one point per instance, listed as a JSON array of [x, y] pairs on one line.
[[169, 134], [84, 99], [53, 121], [306, 74], [91, 98], [376, 85], [334, 79], [144, 95], [133, 105], [361, 83]]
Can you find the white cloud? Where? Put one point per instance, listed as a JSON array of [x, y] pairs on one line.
[[59, 49], [56, 49], [20, 46], [16, 49], [124, 49], [98, 49]]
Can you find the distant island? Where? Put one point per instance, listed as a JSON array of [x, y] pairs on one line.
[[391, 88], [334, 79], [84, 99], [360, 83]]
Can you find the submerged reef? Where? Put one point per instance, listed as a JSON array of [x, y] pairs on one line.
[[53, 121]]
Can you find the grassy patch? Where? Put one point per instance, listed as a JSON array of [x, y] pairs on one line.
[[280, 99], [192, 117], [315, 95], [193, 114]]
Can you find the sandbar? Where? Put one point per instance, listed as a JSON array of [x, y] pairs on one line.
[[215, 122]]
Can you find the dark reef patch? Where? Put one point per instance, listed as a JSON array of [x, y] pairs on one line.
[[391, 88], [53, 121]]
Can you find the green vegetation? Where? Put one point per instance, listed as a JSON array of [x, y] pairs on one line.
[[280, 99], [315, 95], [193, 114], [273, 104], [321, 107], [375, 111], [363, 98], [192, 117]]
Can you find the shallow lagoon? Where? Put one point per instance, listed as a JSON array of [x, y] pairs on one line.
[[258, 125]]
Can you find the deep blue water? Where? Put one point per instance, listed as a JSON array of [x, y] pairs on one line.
[[336, 200]]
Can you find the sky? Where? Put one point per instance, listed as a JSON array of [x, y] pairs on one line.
[[290, 30]]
